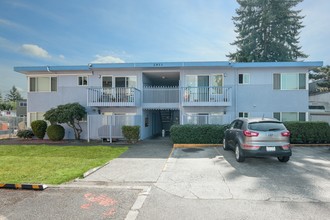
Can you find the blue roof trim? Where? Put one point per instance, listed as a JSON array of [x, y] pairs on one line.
[[93, 66], [278, 64]]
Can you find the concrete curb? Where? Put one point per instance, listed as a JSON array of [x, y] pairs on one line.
[[23, 186], [195, 145]]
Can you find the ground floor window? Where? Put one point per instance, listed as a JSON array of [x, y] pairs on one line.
[[290, 116], [36, 116], [243, 114]]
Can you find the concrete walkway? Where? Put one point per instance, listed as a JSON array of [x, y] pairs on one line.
[[142, 163]]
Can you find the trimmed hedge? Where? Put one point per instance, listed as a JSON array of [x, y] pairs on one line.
[[55, 132], [308, 132], [131, 133], [39, 128], [197, 134]]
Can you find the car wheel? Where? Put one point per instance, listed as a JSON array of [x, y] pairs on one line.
[[225, 145], [239, 154], [284, 159]]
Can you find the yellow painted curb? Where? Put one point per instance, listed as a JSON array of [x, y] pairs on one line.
[[196, 145]]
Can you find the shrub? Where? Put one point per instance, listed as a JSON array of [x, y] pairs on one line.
[[197, 134], [55, 132], [131, 133], [25, 134], [39, 128], [308, 132]]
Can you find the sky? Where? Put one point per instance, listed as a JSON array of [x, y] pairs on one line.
[[78, 32]]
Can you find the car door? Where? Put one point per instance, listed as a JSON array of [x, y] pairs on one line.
[[229, 134]]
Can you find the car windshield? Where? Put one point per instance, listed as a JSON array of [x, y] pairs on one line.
[[266, 126]]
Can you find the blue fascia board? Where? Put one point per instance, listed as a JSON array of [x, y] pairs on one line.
[[277, 64], [94, 66], [50, 68]]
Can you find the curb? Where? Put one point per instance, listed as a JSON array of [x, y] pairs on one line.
[[23, 186], [195, 145]]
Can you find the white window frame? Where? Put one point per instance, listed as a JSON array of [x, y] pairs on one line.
[[245, 77], [212, 78], [244, 114], [49, 83], [283, 86], [82, 79], [297, 115]]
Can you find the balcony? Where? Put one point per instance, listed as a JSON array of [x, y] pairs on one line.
[[161, 97], [120, 96], [206, 96]]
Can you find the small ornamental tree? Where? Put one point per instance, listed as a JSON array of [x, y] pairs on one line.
[[70, 114]]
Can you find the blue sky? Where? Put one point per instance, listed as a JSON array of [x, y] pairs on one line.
[[78, 32]]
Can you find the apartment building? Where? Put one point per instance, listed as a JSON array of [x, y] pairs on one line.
[[158, 95]]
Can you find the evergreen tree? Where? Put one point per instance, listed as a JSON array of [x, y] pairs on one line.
[[13, 95], [267, 31], [322, 74]]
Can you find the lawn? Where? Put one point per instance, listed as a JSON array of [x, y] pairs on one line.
[[46, 164]]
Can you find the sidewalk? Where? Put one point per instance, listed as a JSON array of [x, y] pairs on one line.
[[142, 163]]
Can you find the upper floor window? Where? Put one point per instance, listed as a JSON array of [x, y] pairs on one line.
[[82, 80], [217, 83], [43, 84], [244, 78], [22, 104], [289, 81]]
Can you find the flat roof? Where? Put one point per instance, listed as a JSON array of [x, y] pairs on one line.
[[160, 65]]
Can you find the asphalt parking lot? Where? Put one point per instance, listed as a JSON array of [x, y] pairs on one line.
[[187, 183], [208, 183]]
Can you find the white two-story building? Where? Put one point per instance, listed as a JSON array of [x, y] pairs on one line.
[[158, 95]]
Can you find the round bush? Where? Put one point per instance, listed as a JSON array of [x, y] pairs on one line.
[[55, 132], [39, 128]]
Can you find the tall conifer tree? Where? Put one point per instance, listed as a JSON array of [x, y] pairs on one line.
[[267, 31]]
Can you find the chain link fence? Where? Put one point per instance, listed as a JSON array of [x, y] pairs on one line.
[[9, 126]]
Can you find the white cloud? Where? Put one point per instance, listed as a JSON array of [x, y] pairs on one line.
[[34, 50], [107, 59], [61, 56]]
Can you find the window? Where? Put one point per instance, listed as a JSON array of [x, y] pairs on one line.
[[82, 80], [244, 78], [243, 114], [289, 81], [36, 116], [43, 84], [22, 104], [125, 81], [217, 83], [238, 124], [290, 116]]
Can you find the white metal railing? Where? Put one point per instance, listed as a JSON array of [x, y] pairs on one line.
[[109, 126], [161, 94], [206, 94], [119, 96]]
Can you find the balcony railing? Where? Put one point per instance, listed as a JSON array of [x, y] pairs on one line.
[[213, 95], [120, 96], [161, 97]]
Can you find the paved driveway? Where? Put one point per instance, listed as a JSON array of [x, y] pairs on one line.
[[208, 183]]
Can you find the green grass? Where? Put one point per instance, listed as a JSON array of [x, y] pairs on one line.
[[51, 164]]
